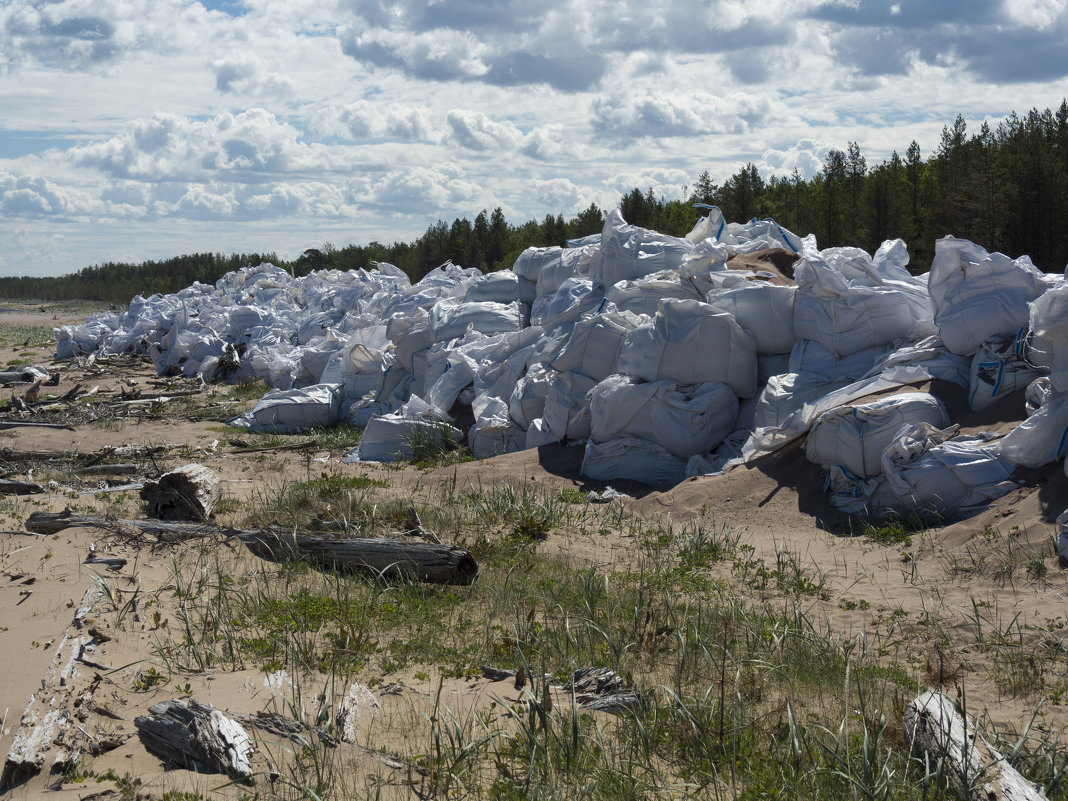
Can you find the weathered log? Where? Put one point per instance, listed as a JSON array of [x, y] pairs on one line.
[[54, 522], [196, 736], [424, 561], [48, 716], [12, 487], [429, 562], [188, 493], [938, 732], [5, 424]]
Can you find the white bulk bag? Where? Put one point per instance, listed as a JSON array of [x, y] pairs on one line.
[[493, 432], [846, 317], [527, 402], [854, 436], [976, 295], [533, 260], [628, 252], [766, 311], [1041, 438], [858, 496], [927, 471], [390, 438], [684, 420], [1048, 344], [555, 272], [635, 459], [691, 343], [786, 393], [567, 410], [499, 287], [538, 434], [595, 343], [643, 295], [809, 357], [574, 297], [998, 369], [449, 320], [293, 410]]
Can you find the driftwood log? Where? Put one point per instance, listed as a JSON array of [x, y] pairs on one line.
[[430, 562], [938, 732], [48, 724], [10, 486], [188, 493], [196, 736], [54, 522], [424, 561]]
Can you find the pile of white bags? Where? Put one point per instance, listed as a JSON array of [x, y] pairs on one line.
[[650, 352]]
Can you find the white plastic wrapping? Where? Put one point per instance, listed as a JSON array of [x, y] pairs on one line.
[[684, 420]]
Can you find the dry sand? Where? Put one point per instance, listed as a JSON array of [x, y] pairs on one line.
[[997, 571]]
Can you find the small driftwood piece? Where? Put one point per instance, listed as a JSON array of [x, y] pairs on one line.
[[424, 561], [196, 736], [598, 689], [188, 493], [938, 732]]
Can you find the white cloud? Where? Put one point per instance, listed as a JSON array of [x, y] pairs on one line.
[[653, 114], [475, 131]]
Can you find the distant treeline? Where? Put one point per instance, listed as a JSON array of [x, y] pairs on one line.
[[1006, 189]]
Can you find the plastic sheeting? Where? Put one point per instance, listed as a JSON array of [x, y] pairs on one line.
[[690, 342], [684, 420], [855, 436]]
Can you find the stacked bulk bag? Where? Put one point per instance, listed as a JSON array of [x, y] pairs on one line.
[[643, 295], [684, 420], [846, 316], [595, 344], [929, 470], [1041, 438], [449, 320], [854, 436], [690, 342], [567, 407], [395, 436], [976, 295], [1048, 344], [628, 252], [634, 459], [764, 310]]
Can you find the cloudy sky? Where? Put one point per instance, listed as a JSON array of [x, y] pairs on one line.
[[138, 129]]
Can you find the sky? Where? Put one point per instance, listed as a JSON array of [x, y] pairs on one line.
[[142, 129]]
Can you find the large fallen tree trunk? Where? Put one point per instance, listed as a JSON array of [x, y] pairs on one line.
[[939, 733], [423, 561]]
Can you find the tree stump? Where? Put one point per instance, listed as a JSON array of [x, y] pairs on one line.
[[188, 493]]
